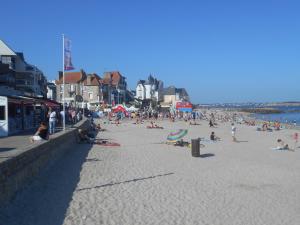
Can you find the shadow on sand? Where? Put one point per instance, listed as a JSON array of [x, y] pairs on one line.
[[207, 155], [93, 160], [240, 141], [46, 200], [123, 182]]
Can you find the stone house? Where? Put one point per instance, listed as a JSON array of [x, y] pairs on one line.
[[173, 95], [89, 86], [92, 90], [114, 87], [73, 86]]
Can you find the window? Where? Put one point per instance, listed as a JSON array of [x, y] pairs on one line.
[[6, 59], [90, 95], [2, 112], [72, 87]]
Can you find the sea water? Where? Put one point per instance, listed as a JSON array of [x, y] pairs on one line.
[[290, 115]]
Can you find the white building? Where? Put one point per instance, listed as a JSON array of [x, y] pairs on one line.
[[151, 89], [51, 90]]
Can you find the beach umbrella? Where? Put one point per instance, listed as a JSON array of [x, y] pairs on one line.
[[119, 108], [174, 136]]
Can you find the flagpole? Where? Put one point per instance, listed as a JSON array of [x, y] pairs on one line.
[[64, 108]]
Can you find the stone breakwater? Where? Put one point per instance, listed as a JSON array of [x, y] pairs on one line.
[[262, 110], [19, 169]]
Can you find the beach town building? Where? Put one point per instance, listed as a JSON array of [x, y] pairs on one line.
[[92, 90], [73, 86], [29, 80], [7, 81], [149, 91], [172, 95], [51, 90], [114, 87], [87, 86]]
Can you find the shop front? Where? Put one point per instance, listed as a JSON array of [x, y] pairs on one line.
[[18, 113]]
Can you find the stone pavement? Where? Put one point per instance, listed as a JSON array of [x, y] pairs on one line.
[[12, 145]]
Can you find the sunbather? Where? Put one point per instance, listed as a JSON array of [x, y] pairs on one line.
[[84, 136], [153, 125], [282, 145], [182, 143]]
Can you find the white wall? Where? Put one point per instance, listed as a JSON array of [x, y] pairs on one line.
[[148, 91], [140, 92]]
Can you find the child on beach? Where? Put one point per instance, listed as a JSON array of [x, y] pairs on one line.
[[213, 137], [233, 132]]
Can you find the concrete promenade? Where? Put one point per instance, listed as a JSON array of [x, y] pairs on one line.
[[10, 146]]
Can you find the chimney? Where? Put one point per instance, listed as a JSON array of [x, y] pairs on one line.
[[89, 80], [60, 75]]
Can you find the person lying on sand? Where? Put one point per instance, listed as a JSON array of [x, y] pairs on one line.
[[282, 145], [99, 128], [182, 143], [153, 125], [194, 123], [106, 143], [84, 136]]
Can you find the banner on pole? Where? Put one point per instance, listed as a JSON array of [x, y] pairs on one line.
[[67, 52]]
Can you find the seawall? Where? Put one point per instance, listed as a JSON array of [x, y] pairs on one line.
[[20, 169]]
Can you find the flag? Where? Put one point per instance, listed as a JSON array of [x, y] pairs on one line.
[[67, 52]]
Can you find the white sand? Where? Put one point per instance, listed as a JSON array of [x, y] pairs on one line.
[[145, 182]]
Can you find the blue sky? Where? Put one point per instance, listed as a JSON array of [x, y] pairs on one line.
[[220, 51]]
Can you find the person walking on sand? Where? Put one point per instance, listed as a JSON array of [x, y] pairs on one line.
[[233, 132]]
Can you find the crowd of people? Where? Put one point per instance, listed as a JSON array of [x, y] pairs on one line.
[[214, 117]]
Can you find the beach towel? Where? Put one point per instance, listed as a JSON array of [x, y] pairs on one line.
[[281, 149], [149, 127]]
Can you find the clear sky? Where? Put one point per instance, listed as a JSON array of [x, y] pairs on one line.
[[220, 51]]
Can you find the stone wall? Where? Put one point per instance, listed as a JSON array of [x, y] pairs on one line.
[[15, 172]]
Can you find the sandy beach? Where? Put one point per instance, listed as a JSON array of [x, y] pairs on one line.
[[145, 181]]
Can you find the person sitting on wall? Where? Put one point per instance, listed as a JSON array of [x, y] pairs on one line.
[[41, 134]]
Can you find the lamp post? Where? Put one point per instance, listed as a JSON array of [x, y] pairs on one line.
[[110, 89], [118, 95]]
